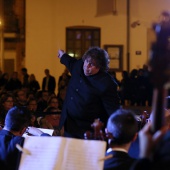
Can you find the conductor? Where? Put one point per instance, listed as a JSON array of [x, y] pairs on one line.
[[91, 93]]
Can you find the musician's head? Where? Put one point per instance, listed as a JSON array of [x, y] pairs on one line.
[[17, 120], [122, 125]]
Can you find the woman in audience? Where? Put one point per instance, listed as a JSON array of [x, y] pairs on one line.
[[33, 84], [32, 107], [53, 102], [6, 103]]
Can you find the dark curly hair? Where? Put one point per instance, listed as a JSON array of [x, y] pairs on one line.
[[99, 55]]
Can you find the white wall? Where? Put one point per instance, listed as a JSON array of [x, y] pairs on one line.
[[46, 21], [147, 12]]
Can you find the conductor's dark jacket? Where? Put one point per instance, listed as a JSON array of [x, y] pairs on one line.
[[87, 98]]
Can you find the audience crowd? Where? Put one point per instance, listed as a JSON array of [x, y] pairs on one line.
[[40, 99]]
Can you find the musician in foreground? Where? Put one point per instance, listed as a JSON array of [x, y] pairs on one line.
[[122, 126], [16, 123]]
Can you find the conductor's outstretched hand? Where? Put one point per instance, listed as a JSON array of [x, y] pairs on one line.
[[60, 53]]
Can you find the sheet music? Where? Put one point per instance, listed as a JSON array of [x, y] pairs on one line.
[[85, 154], [59, 153], [49, 131]]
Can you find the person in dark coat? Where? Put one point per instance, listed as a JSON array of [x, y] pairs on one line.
[[25, 74], [14, 83], [91, 93], [3, 81], [122, 126], [49, 82]]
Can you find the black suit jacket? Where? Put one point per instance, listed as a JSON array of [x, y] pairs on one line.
[[87, 98], [119, 161], [51, 84]]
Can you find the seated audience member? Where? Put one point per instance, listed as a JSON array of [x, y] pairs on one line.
[[16, 123], [63, 82], [6, 103], [53, 102], [42, 100], [61, 96], [122, 125], [20, 98], [32, 108], [51, 121]]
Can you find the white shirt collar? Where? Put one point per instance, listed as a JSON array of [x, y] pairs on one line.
[[116, 149]]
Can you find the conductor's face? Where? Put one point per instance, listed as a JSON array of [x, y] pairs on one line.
[[90, 67]]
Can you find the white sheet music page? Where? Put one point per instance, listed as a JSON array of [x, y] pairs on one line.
[[83, 154], [45, 153], [59, 153], [48, 131]]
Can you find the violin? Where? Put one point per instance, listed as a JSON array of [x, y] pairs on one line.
[[97, 126], [97, 132]]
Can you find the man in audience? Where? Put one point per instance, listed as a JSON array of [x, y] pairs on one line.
[[25, 74], [122, 126], [49, 82], [20, 97], [16, 123], [42, 100]]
